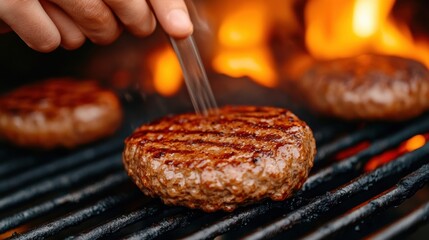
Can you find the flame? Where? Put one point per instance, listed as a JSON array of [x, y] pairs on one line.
[[366, 17], [244, 50], [337, 29], [10, 233], [352, 151], [167, 74], [410, 145], [414, 143], [255, 63], [237, 33]]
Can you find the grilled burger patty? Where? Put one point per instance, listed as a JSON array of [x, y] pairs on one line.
[[58, 113], [218, 162], [367, 87]]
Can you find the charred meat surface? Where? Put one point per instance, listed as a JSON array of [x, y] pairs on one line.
[[368, 87], [58, 113], [239, 156]]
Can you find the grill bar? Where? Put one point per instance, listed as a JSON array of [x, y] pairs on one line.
[[18, 163], [326, 202], [403, 190], [238, 218], [61, 181], [414, 219], [70, 161], [329, 132], [356, 162], [349, 165], [369, 132], [54, 227], [165, 225], [119, 223], [99, 187], [8, 152]]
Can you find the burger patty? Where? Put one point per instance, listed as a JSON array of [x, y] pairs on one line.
[[217, 162], [58, 113], [371, 87]]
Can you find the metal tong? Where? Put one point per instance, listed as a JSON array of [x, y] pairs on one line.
[[195, 75], [193, 69]]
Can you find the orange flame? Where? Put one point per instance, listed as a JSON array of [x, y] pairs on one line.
[[244, 50], [11, 232], [167, 74], [414, 143], [352, 151], [337, 28], [410, 145]]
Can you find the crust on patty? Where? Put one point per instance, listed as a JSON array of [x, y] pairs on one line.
[[369, 87], [58, 113], [218, 162]]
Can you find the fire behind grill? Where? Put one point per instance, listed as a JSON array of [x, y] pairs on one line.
[[85, 194]]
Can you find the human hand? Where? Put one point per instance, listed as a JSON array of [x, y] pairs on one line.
[[45, 24]]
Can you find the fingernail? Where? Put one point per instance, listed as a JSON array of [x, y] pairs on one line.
[[180, 20]]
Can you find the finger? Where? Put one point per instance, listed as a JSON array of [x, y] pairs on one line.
[[135, 15], [71, 36], [94, 18], [173, 16], [31, 23]]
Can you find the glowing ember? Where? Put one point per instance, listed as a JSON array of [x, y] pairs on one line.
[[337, 29], [414, 143], [10, 233], [352, 151], [243, 46], [410, 145], [382, 159], [167, 75]]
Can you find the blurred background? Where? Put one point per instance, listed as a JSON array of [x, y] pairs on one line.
[[266, 42]]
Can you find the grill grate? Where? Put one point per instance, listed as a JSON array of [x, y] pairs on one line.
[[50, 205], [58, 182], [87, 195], [413, 220], [331, 199], [403, 190], [121, 222]]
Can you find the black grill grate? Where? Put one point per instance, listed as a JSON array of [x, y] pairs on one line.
[[410, 222], [403, 190], [87, 195]]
